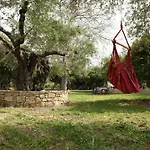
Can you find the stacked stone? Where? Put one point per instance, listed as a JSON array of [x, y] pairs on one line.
[[32, 98]]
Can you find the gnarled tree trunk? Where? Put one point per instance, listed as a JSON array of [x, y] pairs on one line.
[[26, 61]]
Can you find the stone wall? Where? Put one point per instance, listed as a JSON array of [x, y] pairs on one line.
[[32, 98]]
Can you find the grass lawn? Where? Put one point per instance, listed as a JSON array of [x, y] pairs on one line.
[[87, 122]]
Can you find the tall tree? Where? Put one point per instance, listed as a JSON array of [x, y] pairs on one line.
[[141, 58], [26, 61]]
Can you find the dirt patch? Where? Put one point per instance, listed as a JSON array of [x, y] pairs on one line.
[[143, 102]]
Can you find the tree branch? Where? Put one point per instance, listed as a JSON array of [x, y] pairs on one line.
[[21, 38], [7, 44], [47, 53], [8, 34], [22, 13]]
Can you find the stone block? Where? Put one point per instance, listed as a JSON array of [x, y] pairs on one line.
[[30, 100], [51, 95], [57, 103], [8, 98], [44, 100], [20, 99], [37, 99], [42, 96], [49, 104], [43, 104]]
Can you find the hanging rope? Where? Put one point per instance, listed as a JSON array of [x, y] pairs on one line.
[[114, 39]]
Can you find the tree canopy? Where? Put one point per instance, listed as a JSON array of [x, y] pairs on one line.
[[137, 17], [141, 58]]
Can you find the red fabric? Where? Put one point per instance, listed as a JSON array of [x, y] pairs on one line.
[[121, 73]]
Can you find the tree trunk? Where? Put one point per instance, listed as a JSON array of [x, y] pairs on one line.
[[22, 78], [26, 67], [64, 82], [64, 77]]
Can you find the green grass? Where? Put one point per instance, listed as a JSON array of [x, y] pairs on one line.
[[87, 122]]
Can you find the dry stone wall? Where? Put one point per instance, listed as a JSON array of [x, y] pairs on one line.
[[32, 98]]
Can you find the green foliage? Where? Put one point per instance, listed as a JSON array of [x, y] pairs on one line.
[[91, 78], [51, 20], [75, 63], [79, 75], [52, 86], [141, 58], [138, 17], [78, 60], [5, 76], [96, 78], [104, 68]]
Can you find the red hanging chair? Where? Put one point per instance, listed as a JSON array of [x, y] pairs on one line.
[[121, 73]]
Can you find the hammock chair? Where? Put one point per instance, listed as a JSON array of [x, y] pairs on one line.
[[121, 73]]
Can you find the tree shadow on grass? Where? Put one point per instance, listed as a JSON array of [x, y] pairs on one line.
[[62, 135], [117, 106]]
